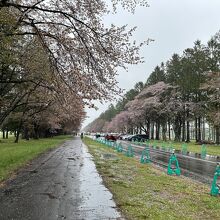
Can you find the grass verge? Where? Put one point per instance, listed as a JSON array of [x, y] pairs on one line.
[[14, 156], [143, 192]]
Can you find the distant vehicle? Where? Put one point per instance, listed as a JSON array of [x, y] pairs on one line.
[[97, 136], [125, 137], [110, 137], [138, 137], [121, 136]]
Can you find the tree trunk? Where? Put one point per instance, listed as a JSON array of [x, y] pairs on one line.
[[184, 130], [209, 138], [3, 133], [26, 133], [157, 130], [148, 129], [169, 130], [36, 131], [152, 131], [196, 130], [217, 135], [177, 129], [18, 131], [6, 134], [17, 134], [203, 129], [213, 133], [199, 129], [187, 132], [164, 131], [187, 127]]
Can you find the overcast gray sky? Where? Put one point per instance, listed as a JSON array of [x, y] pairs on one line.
[[173, 24]]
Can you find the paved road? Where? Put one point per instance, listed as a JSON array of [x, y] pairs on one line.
[[62, 184], [200, 169]]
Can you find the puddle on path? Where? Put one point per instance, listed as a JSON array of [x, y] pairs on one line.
[[97, 201]]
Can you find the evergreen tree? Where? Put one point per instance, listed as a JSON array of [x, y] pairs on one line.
[[157, 75]]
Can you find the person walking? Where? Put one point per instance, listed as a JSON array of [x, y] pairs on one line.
[[81, 135]]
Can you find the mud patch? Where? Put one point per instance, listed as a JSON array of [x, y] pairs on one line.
[[50, 195], [7, 192], [71, 158], [33, 171], [109, 156]]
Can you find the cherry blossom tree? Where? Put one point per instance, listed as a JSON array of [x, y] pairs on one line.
[[212, 89], [62, 55], [120, 123], [83, 52]]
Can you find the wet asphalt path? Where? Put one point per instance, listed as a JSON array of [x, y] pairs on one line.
[[61, 184]]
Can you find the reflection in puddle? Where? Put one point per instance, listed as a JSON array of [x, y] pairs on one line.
[[97, 201]]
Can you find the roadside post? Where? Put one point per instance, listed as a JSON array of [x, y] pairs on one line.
[[111, 144], [203, 151], [129, 152], [108, 143], [173, 165], [170, 147], [215, 187], [154, 145], [163, 146], [147, 143], [114, 145], [145, 156], [119, 148], [184, 149]]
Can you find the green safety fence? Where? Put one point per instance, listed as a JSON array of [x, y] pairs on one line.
[[203, 151], [145, 156], [130, 151], [215, 187], [119, 148], [173, 165]]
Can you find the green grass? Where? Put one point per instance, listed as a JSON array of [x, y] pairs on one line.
[[144, 192], [14, 156], [192, 146]]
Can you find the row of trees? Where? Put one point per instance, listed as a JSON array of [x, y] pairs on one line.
[[55, 58], [181, 96]]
